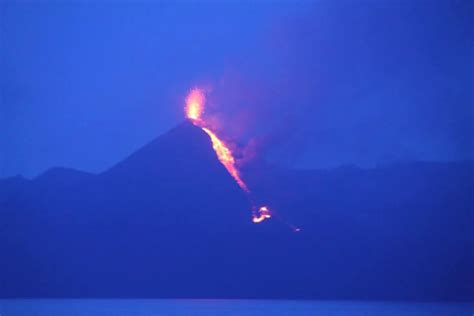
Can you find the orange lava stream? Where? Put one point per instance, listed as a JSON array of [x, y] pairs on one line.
[[194, 110], [225, 157]]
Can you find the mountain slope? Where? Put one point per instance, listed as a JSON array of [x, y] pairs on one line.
[[169, 221]]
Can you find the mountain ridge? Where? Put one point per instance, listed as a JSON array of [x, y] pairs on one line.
[[169, 221]]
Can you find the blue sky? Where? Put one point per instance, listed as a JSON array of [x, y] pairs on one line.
[[318, 84]]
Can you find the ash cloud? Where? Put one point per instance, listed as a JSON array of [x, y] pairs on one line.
[[353, 84]]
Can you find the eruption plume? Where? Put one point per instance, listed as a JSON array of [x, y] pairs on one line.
[[194, 110], [195, 104]]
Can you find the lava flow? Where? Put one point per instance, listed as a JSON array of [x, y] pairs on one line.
[[262, 214], [194, 110]]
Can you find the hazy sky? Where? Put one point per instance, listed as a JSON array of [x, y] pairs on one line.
[[314, 84]]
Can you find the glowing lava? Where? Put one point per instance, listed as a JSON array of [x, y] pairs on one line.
[[194, 110], [262, 214], [195, 104], [225, 157]]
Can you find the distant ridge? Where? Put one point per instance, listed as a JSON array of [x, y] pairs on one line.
[[169, 221]]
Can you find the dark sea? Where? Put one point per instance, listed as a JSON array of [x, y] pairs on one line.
[[175, 307]]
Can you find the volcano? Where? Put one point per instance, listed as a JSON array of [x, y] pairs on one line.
[[170, 221], [178, 172], [153, 218]]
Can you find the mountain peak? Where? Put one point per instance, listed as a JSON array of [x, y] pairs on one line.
[[185, 145]]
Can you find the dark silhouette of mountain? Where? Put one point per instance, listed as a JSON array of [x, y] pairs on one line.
[[169, 221]]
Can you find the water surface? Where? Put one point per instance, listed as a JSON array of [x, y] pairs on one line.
[[175, 307]]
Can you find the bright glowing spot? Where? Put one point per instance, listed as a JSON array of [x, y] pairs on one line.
[[262, 214], [195, 104]]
